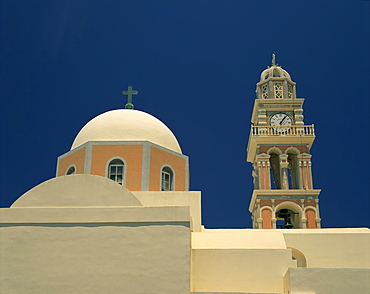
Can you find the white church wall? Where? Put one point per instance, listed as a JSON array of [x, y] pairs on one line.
[[238, 239], [240, 270], [136, 250], [239, 261], [174, 198], [332, 248], [327, 281]]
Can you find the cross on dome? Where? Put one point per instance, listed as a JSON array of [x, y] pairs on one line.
[[129, 94]]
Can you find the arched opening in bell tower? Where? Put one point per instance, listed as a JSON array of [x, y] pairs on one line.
[[293, 168], [275, 170], [293, 172], [288, 216]]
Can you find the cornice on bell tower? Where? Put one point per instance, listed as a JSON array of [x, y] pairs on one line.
[[279, 149]]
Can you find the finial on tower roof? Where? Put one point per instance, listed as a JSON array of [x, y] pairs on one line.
[[129, 94], [273, 59]]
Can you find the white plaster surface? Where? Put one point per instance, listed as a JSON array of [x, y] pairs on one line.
[[74, 215], [238, 239], [127, 125], [174, 198], [229, 260], [327, 281], [101, 258], [136, 250], [255, 261], [332, 248], [239, 270], [77, 190], [87, 234]]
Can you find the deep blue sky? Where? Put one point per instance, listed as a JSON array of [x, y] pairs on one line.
[[195, 64]]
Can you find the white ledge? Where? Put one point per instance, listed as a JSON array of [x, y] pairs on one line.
[[95, 215]]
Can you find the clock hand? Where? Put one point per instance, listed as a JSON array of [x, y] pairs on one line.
[[283, 120]]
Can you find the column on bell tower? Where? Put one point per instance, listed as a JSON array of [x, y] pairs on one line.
[[284, 171], [263, 171], [262, 123], [305, 169]]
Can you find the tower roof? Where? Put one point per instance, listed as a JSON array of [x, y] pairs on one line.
[[275, 83], [274, 71], [127, 125]]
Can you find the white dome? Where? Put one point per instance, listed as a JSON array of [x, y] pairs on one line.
[[77, 191], [127, 125]]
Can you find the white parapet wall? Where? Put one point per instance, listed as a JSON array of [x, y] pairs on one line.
[[274, 261], [95, 250], [249, 261], [191, 199], [331, 248], [327, 281], [87, 234]]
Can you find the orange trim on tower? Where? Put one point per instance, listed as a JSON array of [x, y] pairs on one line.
[[311, 219], [266, 219]]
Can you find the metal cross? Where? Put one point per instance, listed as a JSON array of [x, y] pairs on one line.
[[129, 94]]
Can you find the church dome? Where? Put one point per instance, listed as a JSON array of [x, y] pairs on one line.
[[127, 125], [77, 191]]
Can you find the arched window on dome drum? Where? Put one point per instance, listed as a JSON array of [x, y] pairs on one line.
[[116, 170], [71, 170], [166, 179]]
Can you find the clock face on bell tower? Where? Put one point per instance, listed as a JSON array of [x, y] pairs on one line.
[[279, 150], [281, 121]]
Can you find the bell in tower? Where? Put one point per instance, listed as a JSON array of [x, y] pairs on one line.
[[279, 149]]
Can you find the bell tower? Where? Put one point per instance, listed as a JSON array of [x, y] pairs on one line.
[[279, 150]]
